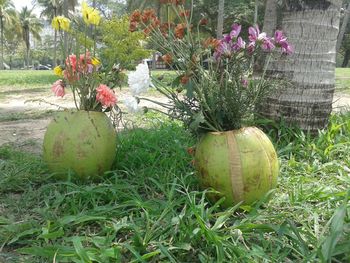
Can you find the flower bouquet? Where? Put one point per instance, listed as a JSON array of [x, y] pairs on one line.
[[217, 94], [83, 141]]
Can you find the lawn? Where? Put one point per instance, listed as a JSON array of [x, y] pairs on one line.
[[342, 79], [149, 207]]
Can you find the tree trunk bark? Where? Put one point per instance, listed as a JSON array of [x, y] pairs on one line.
[[343, 27], [256, 11], [346, 59], [220, 27], [307, 102], [270, 17], [2, 43], [65, 35], [55, 42]]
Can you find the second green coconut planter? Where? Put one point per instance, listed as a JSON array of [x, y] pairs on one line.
[[241, 165]]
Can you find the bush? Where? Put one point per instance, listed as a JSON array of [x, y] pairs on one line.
[[120, 46]]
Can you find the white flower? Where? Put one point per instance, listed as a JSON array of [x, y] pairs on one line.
[[132, 104], [139, 80]]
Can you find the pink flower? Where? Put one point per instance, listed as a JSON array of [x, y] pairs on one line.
[[105, 96], [71, 62], [240, 44], [58, 88], [236, 30], [244, 82], [251, 48], [255, 35], [267, 44], [281, 41]]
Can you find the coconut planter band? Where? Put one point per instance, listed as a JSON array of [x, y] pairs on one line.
[[241, 165], [83, 142]]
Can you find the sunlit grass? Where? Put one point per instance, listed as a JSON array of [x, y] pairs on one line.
[[149, 207]]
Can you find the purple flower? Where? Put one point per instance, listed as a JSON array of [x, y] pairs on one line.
[[281, 41], [224, 49], [240, 44], [254, 33], [251, 47], [267, 44], [244, 82], [279, 37], [227, 38], [287, 49], [236, 30]]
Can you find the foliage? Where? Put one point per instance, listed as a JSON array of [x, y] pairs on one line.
[[148, 208], [119, 45], [215, 89]]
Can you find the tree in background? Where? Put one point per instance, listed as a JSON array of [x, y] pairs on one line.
[[220, 19], [51, 8], [307, 102], [30, 25], [120, 46], [7, 16], [12, 37]]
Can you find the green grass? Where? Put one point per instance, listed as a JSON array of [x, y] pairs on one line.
[[342, 79], [26, 78], [149, 207]]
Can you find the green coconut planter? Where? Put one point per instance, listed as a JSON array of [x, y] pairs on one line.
[[80, 141], [241, 165]]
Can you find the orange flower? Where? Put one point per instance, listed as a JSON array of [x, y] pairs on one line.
[[180, 30], [164, 28], [185, 13], [184, 80], [179, 2], [211, 42], [147, 30], [155, 23], [135, 16], [147, 15], [167, 58]]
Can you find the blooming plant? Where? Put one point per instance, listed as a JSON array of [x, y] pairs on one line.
[[83, 72], [216, 88]]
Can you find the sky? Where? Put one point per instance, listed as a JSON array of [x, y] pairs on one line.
[[21, 3]]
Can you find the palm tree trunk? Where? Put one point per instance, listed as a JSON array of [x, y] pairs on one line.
[[256, 10], [343, 27], [220, 26], [2, 43], [55, 42], [346, 59], [27, 56], [65, 35], [307, 102], [270, 17]]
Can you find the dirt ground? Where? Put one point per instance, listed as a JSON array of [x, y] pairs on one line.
[[24, 118], [23, 122]]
